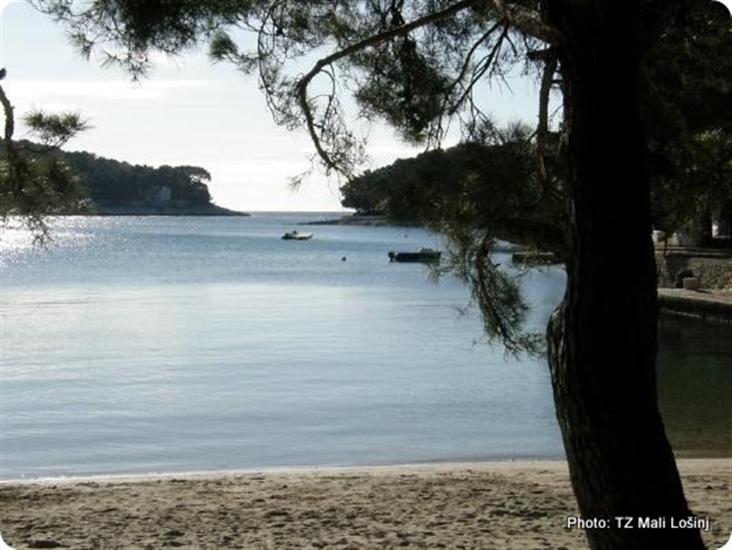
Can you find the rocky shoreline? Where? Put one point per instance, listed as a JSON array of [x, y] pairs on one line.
[[144, 210], [363, 220]]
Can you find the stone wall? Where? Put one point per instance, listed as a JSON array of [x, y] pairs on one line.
[[713, 270]]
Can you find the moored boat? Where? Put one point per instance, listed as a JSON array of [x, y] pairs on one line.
[[297, 236], [423, 255]]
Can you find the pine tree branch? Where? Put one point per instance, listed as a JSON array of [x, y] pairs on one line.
[[542, 130], [9, 119], [533, 233], [302, 83], [527, 21]]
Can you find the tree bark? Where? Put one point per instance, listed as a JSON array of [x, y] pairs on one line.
[[602, 340]]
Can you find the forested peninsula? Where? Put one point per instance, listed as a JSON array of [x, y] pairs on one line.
[[112, 187], [493, 183]]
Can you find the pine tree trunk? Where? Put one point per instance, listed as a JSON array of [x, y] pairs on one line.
[[602, 340]]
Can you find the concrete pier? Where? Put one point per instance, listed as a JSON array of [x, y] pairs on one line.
[[708, 305]]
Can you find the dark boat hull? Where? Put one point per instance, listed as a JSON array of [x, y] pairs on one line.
[[414, 257]]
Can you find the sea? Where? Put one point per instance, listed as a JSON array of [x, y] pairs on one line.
[[135, 345]]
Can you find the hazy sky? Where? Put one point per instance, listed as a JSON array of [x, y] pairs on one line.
[[189, 111]]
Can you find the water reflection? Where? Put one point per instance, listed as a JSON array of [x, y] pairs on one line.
[[153, 344], [695, 384]]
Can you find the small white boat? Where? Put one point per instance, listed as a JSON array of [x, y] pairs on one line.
[[297, 236]]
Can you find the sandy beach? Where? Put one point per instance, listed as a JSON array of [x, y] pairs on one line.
[[491, 505]]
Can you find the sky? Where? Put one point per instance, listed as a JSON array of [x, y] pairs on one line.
[[194, 112]]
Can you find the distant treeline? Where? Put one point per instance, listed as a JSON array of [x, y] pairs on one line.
[[118, 187], [403, 190], [460, 180], [497, 181]]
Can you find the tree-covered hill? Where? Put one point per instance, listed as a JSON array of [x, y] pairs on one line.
[[495, 180], [469, 176], [116, 187]]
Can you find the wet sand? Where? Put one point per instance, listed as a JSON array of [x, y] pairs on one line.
[[491, 505]]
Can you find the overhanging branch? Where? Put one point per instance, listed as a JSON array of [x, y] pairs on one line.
[[527, 21], [533, 233], [542, 130], [302, 84], [9, 119], [524, 20]]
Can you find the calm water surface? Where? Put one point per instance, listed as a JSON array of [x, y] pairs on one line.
[[167, 344]]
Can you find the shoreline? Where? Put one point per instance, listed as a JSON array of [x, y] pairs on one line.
[[363, 220], [212, 211], [133, 477], [501, 504], [705, 304], [437, 464]]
